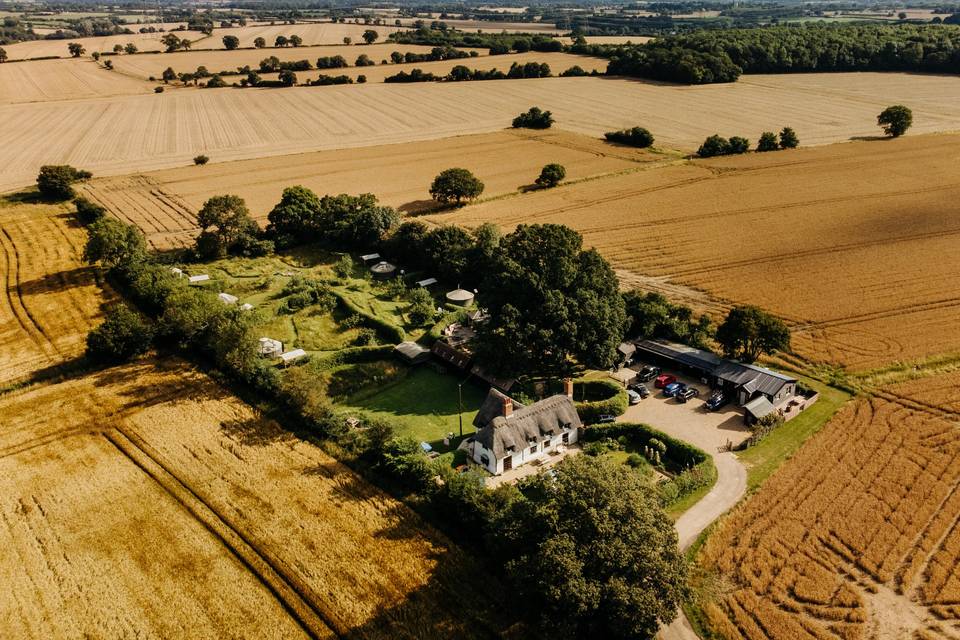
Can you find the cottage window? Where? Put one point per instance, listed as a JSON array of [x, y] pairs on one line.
[[533, 449], [566, 438]]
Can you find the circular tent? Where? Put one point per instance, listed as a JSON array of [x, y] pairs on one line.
[[383, 270], [460, 297]]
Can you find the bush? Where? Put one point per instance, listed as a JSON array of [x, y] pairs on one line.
[[364, 337], [158, 89], [201, 159], [303, 292], [738, 145], [88, 212], [767, 142], [361, 79], [635, 137], [635, 460], [55, 182], [715, 145], [788, 139], [344, 267], [216, 82], [574, 71], [124, 334], [551, 175], [534, 118]]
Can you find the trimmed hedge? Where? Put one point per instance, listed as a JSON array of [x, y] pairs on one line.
[[615, 404], [354, 355], [692, 468], [387, 329]]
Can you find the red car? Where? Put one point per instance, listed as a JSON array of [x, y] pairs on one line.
[[663, 380]]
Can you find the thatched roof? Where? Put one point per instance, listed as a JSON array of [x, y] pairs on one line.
[[528, 425], [492, 407]]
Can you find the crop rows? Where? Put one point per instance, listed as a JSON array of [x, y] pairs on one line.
[[856, 535]]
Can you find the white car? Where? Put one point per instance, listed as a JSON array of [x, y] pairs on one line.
[[634, 397]]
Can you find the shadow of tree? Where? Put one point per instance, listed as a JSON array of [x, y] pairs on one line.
[[255, 432], [59, 281], [876, 138], [138, 389]]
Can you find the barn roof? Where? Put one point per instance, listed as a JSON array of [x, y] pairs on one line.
[[750, 378], [530, 424]]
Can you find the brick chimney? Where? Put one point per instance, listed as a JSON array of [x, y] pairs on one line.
[[507, 407], [568, 387]]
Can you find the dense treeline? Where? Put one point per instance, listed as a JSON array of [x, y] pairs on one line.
[[497, 43], [721, 56], [461, 73]]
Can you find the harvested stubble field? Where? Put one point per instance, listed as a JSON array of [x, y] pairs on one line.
[[50, 298], [857, 536], [855, 245], [145, 499], [164, 203], [144, 42], [558, 63], [483, 26], [139, 133], [51, 80], [312, 33], [215, 61]]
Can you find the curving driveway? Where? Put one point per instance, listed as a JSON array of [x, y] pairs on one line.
[[712, 432]]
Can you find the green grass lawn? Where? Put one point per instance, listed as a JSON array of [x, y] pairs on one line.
[[764, 458], [424, 405]]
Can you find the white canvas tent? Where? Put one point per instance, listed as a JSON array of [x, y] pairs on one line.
[[202, 277], [291, 356], [270, 348], [226, 298]]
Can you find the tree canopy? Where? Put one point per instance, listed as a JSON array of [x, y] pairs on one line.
[[55, 181], [635, 137], [225, 223], [124, 334], [231, 42], [591, 552], [895, 120], [302, 216], [550, 302], [533, 118], [455, 185], [651, 315], [749, 332], [551, 175], [114, 244]]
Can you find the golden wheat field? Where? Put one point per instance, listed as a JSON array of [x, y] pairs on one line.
[[855, 537], [144, 41], [483, 26], [221, 60], [51, 80], [139, 133], [50, 298], [854, 244], [558, 63], [145, 498], [312, 33], [164, 203]]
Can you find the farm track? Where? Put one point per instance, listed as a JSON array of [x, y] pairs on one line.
[[14, 298], [287, 590]]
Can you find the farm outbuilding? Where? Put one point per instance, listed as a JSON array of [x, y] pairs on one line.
[[411, 352], [200, 277], [383, 270], [270, 348], [292, 356], [460, 297]]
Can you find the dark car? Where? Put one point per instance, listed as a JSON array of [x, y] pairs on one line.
[[673, 389], [648, 373], [716, 400], [639, 388], [605, 418], [687, 394]]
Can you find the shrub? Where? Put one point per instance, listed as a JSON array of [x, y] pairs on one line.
[[788, 139], [344, 266], [613, 399], [551, 175], [361, 79], [303, 292], [635, 460], [767, 142], [364, 337], [88, 212], [201, 159], [158, 89], [421, 308], [124, 334], [635, 137], [55, 182], [715, 145], [216, 82], [574, 71], [534, 118], [738, 145]]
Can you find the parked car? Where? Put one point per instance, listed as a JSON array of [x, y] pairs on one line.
[[639, 388], [673, 389], [606, 418], [633, 397], [648, 373], [663, 380], [687, 394], [716, 400]]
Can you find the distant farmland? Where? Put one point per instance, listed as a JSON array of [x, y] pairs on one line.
[[147, 500], [852, 244], [138, 133]]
